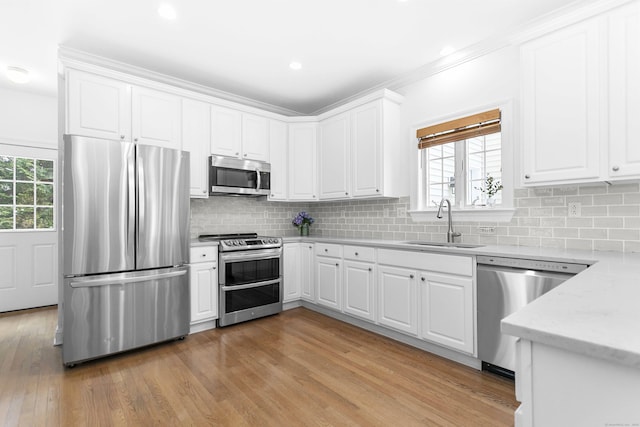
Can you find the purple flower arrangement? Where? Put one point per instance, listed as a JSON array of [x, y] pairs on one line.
[[302, 218]]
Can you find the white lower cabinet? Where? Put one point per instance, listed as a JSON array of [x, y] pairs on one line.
[[397, 302], [203, 283], [359, 289], [307, 282], [329, 281], [292, 272], [446, 307]]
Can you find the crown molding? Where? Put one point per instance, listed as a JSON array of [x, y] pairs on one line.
[[80, 59]]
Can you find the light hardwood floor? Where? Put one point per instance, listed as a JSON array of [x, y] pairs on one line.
[[297, 368]]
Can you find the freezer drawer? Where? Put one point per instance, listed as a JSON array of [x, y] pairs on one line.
[[107, 314]]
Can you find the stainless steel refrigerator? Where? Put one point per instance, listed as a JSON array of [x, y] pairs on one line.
[[125, 246]]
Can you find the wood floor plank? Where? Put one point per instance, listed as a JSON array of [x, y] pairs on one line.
[[298, 368]]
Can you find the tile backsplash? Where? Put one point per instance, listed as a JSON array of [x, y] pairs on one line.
[[609, 219]]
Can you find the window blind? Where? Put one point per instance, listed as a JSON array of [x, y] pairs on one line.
[[459, 129]]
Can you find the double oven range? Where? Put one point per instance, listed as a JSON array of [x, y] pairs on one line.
[[249, 276]]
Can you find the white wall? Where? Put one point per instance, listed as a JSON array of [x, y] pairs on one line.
[[28, 119], [483, 83]]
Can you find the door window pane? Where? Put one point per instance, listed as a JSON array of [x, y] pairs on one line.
[[27, 193]]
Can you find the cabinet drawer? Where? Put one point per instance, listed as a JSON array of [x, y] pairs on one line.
[[360, 253], [328, 249], [204, 254], [442, 263]]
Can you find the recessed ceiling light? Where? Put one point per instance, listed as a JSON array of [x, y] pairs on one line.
[[295, 65], [18, 75], [167, 11], [447, 50]]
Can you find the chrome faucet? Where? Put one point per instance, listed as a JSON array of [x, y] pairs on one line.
[[451, 235]]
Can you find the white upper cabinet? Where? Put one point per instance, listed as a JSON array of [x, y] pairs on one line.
[[278, 158], [237, 134], [195, 140], [581, 101], [255, 137], [561, 104], [333, 154], [156, 118], [302, 161], [98, 106], [358, 150], [226, 131], [624, 87]]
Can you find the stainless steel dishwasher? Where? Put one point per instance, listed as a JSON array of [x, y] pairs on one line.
[[505, 285]]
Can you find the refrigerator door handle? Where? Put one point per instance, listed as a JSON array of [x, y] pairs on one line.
[[87, 283]]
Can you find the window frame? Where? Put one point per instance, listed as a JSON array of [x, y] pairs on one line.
[[423, 210]]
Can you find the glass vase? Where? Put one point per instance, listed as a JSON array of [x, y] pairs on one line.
[[304, 229]]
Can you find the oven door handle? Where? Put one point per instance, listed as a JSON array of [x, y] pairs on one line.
[[249, 285], [254, 255]]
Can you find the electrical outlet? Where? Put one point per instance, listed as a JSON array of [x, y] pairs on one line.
[[486, 230], [575, 209]]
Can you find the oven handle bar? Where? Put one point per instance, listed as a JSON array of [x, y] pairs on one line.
[[249, 285], [250, 255]]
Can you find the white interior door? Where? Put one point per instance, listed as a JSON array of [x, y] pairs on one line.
[[28, 227]]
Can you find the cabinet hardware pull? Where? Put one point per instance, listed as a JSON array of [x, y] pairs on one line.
[[527, 176], [370, 269], [356, 253], [423, 279], [326, 250], [337, 265], [204, 255], [615, 168], [121, 136], [411, 276], [213, 268], [135, 140]]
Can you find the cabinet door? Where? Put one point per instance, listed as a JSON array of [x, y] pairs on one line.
[[366, 178], [226, 131], [561, 105], [292, 272], [333, 153], [195, 140], [624, 87], [328, 282], [98, 106], [307, 282], [397, 302], [156, 118], [302, 161], [278, 159], [447, 310], [204, 291], [359, 289], [255, 137]]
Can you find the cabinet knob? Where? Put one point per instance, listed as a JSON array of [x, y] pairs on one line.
[[326, 250], [527, 176], [204, 255], [237, 154], [346, 194], [377, 190], [615, 168], [271, 194], [411, 276], [337, 264], [213, 268], [356, 253], [310, 247], [121, 136], [245, 154], [204, 191], [370, 269], [423, 279], [314, 196]]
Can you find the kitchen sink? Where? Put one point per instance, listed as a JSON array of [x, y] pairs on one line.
[[442, 244]]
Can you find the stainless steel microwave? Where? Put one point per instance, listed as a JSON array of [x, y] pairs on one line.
[[228, 176]]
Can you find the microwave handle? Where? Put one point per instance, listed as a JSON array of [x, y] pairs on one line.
[[259, 183]]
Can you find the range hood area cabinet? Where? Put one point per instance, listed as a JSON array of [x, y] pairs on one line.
[[581, 101], [238, 134]]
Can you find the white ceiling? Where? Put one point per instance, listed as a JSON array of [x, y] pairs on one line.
[[245, 46]]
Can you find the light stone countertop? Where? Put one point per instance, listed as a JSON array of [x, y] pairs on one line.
[[595, 313]]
